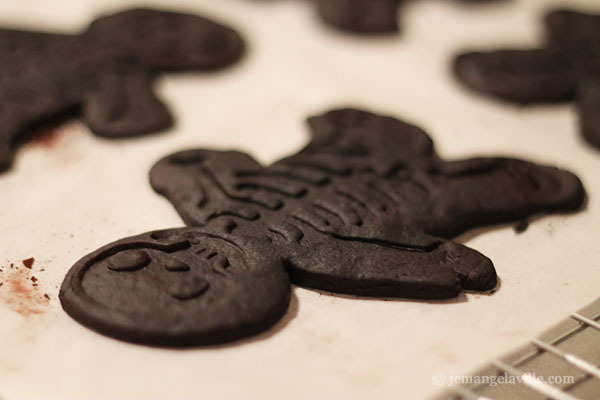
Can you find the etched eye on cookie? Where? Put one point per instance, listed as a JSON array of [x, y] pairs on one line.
[[377, 221], [129, 261], [566, 67], [105, 72], [187, 282]]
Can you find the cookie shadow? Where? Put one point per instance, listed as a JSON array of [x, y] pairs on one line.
[[294, 306], [518, 227], [461, 298], [282, 323]]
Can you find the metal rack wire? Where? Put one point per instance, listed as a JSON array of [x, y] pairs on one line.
[[570, 349]]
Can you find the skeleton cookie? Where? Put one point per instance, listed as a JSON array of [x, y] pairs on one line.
[[105, 73], [366, 208], [565, 68]]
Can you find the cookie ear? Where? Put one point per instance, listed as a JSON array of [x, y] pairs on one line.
[[180, 287], [519, 76], [588, 107]]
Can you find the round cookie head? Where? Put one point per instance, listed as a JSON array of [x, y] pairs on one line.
[[176, 287]]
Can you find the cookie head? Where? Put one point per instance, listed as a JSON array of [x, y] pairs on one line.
[[163, 40], [174, 288]]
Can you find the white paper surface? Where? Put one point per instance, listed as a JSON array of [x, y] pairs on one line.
[[65, 199]]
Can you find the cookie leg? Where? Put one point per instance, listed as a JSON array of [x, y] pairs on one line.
[[588, 106], [370, 269], [480, 192], [125, 105]]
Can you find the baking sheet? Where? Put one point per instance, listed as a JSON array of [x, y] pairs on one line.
[[71, 192]]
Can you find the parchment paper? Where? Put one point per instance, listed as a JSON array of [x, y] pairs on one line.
[[72, 192]]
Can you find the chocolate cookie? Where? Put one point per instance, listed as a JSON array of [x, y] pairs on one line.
[[366, 208], [104, 73], [365, 16], [565, 68]]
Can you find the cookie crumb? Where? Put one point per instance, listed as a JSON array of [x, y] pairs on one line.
[[34, 279], [521, 226], [46, 296], [29, 262]]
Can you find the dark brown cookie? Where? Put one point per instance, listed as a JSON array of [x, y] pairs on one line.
[[566, 68], [105, 73], [361, 16], [365, 16], [366, 208]]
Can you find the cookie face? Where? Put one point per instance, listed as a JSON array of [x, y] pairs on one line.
[[176, 288], [565, 68], [105, 73], [366, 208]]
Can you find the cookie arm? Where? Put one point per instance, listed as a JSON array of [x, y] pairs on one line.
[[125, 105], [14, 119], [7, 137], [518, 76], [588, 107], [203, 184], [16, 115]]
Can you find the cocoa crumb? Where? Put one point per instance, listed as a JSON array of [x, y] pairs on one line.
[[29, 262], [34, 279], [521, 226], [46, 296], [1, 283], [42, 270], [48, 139], [21, 297]]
